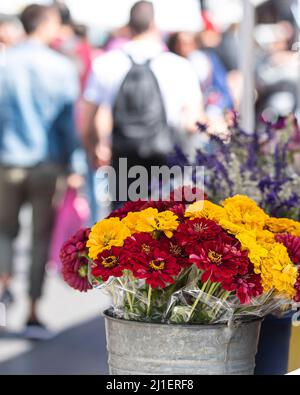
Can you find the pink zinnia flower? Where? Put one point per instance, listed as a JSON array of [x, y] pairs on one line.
[[246, 287], [292, 243], [75, 265]]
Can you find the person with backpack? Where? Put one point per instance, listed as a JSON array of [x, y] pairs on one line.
[[153, 98]]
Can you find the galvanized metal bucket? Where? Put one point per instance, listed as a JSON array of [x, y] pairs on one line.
[[154, 349]]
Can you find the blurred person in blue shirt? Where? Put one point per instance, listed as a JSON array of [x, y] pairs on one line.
[[38, 89], [210, 71]]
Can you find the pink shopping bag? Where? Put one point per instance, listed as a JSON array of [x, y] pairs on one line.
[[71, 215]]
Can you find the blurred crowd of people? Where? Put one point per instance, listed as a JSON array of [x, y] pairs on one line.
[[68, 108], [277, 58]]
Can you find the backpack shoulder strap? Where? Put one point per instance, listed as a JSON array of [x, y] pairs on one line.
[[130, 58], [146, 63]]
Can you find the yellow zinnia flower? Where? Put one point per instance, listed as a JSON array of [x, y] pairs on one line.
[[279, 272], [257, 252], [105, 235], [283, 225], [231, 227], [205, 209], [265, 237], [152, 220], [131, 221], [244, 213]]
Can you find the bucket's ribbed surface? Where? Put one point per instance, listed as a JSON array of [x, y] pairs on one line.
[[144, 349]]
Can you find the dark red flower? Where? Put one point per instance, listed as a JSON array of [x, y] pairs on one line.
[[297, 287], [151, 260], [129, 207], [292, 243], [221, 262], [137, 243], [179, 210], [75, 265], [108, 264], [196, 231], [179, 253], [160, 205], [165, 205], [246, 287]]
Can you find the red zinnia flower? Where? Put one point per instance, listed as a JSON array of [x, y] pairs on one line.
[[129, 207], [137, 243], [179, 210], [151, 260], [195, 232], [108, 264], [220, 261], [164, 205], [160, 205], [179, 253], [74, 261]]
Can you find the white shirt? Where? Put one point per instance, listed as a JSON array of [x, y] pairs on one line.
[[203, 67], [178, 81]]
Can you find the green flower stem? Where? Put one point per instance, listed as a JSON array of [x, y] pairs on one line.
[[205, 285], [129, 301], [149, 301], [87, 258], [221, 294], [198, 300], [212, 289], [185, 272], [134, 292], [127, 295]]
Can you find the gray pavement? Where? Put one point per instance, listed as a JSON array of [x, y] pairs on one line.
[[78, 348], [78, 351]]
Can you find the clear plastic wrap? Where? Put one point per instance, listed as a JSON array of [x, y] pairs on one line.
[[185, 303]]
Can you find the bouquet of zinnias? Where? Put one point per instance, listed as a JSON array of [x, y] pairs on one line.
[[174, 262]]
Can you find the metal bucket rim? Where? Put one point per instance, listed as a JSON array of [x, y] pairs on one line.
[[109, 317]]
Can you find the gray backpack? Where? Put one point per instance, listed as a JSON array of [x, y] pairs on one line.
[[140, 121]]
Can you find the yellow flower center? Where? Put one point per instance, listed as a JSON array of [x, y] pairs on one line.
[[146, 249], [157, 265], [214, 257], [199, 228], [107, 239], [176, 250], [110, 262]]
